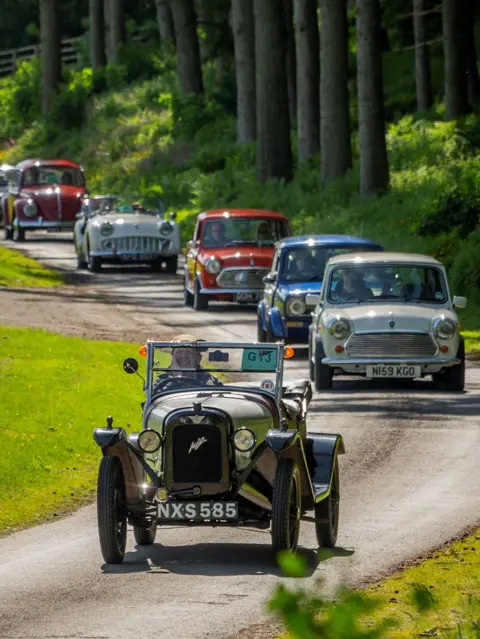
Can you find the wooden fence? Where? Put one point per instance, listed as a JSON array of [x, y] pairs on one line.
[[9, 58]]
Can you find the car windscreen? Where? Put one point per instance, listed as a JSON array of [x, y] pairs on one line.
[[386, 283], [247, 231], [53, 175], [185, 366], [307, 263]]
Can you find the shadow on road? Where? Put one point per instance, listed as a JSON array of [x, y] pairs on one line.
[[214, 560]]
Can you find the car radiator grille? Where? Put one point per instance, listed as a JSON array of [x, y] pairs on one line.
[[197, 453], [242, 278], [140, 244], [391, 345]]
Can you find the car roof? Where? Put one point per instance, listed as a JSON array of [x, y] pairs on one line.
[[314, 240], [27, 164], [382, 257], [229, 213]]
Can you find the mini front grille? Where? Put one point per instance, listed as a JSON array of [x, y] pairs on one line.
[[197, 453], [391, 345], [242, 278], [140, 244]]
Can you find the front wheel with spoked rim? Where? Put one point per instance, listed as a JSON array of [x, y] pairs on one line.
[[286, 506], [111, 510], [327, 513]]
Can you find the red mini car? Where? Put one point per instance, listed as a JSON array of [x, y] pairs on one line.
[[42, 194], [230, 254]]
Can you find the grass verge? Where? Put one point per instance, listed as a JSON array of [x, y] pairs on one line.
[[54, 391], [472, 342], [19, 270]]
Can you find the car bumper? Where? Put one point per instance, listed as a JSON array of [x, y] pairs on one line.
[[252, 295], [45, 224], [296, 331], [131, 255], [359, 364]]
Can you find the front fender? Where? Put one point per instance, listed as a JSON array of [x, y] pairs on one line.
[[277, 326], [288, 444], [262, 315], [322, 451]]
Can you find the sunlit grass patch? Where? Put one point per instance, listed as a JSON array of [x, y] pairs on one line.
[[19, 270], [472, 342]]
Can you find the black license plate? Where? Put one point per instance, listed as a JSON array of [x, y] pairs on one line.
[[246, 297], [197, 511]]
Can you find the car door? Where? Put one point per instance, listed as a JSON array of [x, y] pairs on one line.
[[193, 248]]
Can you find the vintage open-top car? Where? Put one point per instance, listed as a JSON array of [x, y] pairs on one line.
[[386, 315], [223, 444], [42, 194], [116, 231], [297, 269], [230, 253]]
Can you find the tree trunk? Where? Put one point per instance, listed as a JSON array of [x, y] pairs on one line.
[[51, 62], [115, 29], [189, 67], [291, 61], [205, 10], [422, 57], [308, 78], [97, 34], [371, 117], [244, 42], [472, 68], [274, 151], [165, 21], [335, 114], [456, 58]]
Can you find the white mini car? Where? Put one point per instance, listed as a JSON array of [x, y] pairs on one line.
[[109, 232], [386, 315]]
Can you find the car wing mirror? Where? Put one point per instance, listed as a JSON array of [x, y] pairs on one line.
[[130, 366], [269, 279], [192, 244], [173, 215], [312, 299], [459, 302]]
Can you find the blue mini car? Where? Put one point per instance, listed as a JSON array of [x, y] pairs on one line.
[[297, 269]]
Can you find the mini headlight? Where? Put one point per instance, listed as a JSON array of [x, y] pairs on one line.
[[444, 328], [244, 440], [296, 306], [30, 209], [149, 441], [106, 229], [213, 266], [339, 327], [165, 228]]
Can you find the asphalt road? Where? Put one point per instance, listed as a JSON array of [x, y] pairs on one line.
[[410, 481]]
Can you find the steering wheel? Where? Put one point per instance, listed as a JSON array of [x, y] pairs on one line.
[[176, 382]]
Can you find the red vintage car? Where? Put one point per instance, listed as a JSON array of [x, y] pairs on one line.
[[229, 255], [42, 194]]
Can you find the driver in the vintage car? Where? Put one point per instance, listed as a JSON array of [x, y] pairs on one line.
[[186, 358]]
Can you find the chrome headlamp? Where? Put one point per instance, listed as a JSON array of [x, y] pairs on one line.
[[339, 327], [149, 441], [165, 228], [244, 440], [295, 306], [444, 328], [30, 209], [213, 266], [106, 229]]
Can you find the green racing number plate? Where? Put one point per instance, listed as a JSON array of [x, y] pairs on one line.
[[259, 359]]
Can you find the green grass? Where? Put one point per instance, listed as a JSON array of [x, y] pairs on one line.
[[55, 391], [472, 342], [22, 271]]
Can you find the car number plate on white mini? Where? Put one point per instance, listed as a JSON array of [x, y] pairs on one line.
[[246, 297], [197, 511], [136, 257], [393, 370]]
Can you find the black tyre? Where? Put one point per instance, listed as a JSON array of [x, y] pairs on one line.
[[7, 233], [323, 374], [455, 377], [111, 510], [286, 506], [171, 264], [81, 261], [327, 513], [145, 537], [200, 301], [187, 296], [18, 234], [94, 263]]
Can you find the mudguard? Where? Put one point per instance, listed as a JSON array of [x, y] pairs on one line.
[[277, 327], [289, 444], [279, 440], [322, 451], [262, 315]]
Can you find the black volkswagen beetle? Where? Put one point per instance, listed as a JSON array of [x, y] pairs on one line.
[[223, 442]]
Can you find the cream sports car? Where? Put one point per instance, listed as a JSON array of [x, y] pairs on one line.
[[386, 315], [109, 232]]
